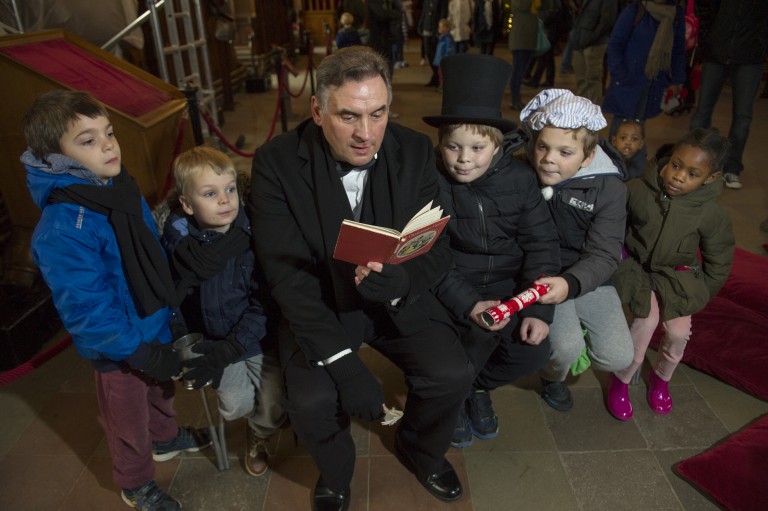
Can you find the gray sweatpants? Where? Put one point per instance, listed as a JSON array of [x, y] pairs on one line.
[[610, 346]]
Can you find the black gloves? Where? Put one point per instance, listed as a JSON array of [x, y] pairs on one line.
[[392, 282], [360, 393], [216, 356], [160, 362]]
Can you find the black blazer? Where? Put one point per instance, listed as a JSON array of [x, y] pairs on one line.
[[285, 216]]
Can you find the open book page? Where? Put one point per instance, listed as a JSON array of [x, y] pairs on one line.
[[426, 216]]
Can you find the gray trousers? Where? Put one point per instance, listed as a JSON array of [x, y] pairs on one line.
[[253, 388], [610, 345]]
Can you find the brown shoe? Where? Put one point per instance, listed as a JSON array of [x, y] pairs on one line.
[[256, 453]]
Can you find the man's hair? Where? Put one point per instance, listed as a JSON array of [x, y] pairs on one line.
[[711, 142], [191, 163], [51, 114], [355, 63], [480, 129], [588, 137]]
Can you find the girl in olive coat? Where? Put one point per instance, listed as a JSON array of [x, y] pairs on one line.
[[672, 216]]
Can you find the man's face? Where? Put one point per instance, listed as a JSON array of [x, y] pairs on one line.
[[212, 199], [558, 155], [628, 139], [467, 155], [354, 120], [92, 142]]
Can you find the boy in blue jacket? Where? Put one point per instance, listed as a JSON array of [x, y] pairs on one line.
[[97, 249], [209, 239]]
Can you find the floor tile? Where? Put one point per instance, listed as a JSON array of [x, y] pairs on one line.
[[37, 482], [690, 497], [199, 485]]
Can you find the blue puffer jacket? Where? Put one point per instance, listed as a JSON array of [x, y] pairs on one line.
[[230, 303], [77, 253]]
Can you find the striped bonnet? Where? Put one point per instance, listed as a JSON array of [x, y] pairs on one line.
[[561, 109]]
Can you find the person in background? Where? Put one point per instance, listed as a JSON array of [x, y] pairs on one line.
[[432, 11], [460, 16], [629, 140], [445, 48], [486, 22], [348, 35], [679, 250], [349, 162], [733, 44], [591, 31], [98, 251], [522, 43]]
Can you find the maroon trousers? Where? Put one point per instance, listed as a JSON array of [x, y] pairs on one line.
[[135, 410]]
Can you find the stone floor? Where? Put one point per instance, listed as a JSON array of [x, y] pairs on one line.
[[53, 455]]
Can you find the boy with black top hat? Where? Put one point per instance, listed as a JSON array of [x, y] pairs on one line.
[[502, 235]]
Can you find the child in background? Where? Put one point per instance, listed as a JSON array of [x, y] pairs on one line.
[[586, 198], [673, 215], [629, 139], [445, 48], [97, 249], [210, 242], [348, 35], [502, 235]]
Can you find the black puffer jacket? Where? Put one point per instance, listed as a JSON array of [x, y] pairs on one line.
[[502, 237], [733, 32]]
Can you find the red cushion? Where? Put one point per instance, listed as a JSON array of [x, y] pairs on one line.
[[729, 337], [734, 472]]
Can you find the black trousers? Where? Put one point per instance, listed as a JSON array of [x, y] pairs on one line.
[[437, 373], [500, 359]]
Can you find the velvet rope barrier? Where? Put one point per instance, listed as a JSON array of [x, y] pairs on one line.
[[35, 362]]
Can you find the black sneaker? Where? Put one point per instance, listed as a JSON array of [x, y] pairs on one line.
[[187, 440], [482, 418], [556, 395], [150, 498], [462, 433]]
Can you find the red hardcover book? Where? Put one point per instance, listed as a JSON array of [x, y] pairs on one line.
[[360, 243]]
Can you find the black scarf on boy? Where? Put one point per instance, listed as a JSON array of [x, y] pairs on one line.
[[144, 263]]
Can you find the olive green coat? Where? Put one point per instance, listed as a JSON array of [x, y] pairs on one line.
[[663, 238], [525, 24]]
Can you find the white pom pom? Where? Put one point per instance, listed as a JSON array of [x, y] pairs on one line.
[[547, 192]]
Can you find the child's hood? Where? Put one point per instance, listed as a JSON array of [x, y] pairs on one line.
[[601, 165], [52, 172]]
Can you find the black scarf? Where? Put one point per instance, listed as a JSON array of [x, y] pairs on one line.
[[195, 262], [144, 263]]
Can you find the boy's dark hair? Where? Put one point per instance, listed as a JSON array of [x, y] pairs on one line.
[[710, 141], [50, 115]]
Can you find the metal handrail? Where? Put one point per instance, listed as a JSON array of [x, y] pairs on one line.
[[134, 24]]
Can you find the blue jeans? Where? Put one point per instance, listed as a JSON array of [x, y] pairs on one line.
[[745, 82], [521, 59]]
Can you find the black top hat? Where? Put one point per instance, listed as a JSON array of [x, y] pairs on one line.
[[473, 89]]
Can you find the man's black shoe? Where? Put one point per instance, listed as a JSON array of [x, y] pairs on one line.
[[443, 484], [325, 499]]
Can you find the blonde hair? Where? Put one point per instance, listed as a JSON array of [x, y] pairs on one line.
[[588, 137], [347, 19], [446, 23], [479, 129], [193, 162]]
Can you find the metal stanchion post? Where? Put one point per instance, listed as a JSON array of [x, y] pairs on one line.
[[281, 85], [310, 63], [190, 91]]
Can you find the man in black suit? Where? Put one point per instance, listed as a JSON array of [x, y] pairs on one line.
[[347, 162]]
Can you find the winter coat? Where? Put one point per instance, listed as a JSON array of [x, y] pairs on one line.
[[78, 256], [627, 53], [733, 32], [525, 24], [460, 16], [445, 48], [230, 303], [589, 214], [481, 32], [382, 19], [348, 37], [664, 236], [432, 11], [502, 237], [594, 22]]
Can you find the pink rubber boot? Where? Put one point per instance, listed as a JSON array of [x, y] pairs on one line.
[[618, 399], [658, 394]]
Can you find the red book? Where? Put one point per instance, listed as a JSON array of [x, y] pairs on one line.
[[360, 243]]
